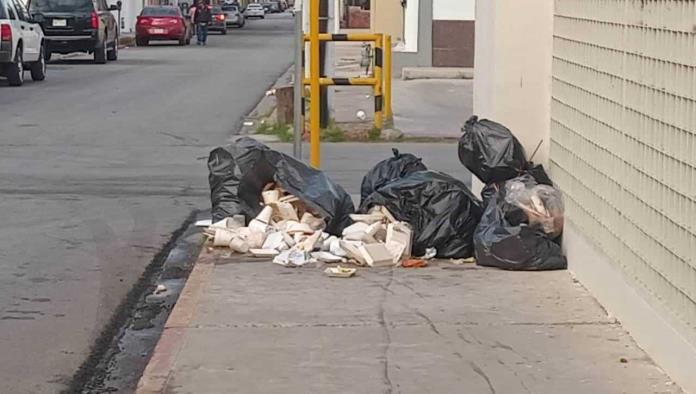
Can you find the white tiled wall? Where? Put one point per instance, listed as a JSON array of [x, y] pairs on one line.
[[623, 138]]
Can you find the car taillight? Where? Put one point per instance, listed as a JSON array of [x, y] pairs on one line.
[[94, 20], [144, 20], [5, 32], [221, 17]]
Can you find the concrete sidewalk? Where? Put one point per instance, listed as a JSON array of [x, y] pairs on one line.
[[245, 325], [430, 108]]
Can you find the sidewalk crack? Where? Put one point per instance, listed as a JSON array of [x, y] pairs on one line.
[[387, 335]]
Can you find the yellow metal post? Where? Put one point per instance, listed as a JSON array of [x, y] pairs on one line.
[[388, 78], [315, 91], [379, 100]]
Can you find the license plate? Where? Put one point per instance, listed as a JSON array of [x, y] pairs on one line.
[[157, 31], [60, 23]]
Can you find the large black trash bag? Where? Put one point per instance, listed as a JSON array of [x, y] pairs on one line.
[[490, 151], [521, 247], [441, 210], [226, 166], [245, 167], [388, 170]]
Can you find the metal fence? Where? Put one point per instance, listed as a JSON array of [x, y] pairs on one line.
[[623, 131]]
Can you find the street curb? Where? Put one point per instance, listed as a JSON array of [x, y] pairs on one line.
[[159, 368], [265, 104], [410, 73], [126, 41]]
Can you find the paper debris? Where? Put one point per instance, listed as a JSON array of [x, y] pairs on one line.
[[267, 253], [376, 255], [340, 272], [204, 223], [329, 258], [274, 241]]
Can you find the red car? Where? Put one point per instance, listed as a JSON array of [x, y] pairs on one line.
[[162, 23]]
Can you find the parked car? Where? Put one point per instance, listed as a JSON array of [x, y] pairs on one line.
[[233, 16], [21, 44], [161, 23], [78, 26], [219, 20], [254, 10]]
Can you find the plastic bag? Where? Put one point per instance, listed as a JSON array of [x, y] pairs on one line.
[[522, 247], [490, 151], [388, 170], [541, 204], [239, 172], [441, 210]]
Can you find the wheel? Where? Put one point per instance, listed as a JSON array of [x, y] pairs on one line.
[[15, 71], [263, 17], [112, 55], [182, 41], [38, 68], [223, 31], [188, 40], [100, 54]]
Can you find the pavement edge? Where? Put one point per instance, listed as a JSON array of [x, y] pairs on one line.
[[161, 363]]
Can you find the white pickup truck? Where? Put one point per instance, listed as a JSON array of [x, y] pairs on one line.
[[21, 44]]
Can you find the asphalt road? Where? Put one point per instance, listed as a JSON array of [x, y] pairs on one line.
[[98, 166]]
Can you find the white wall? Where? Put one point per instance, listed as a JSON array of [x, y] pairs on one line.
[[514, 44], [454, 10]]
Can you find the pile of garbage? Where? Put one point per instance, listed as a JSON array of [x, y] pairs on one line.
[[296, 215], [270, 205], [522, 221], [293, 235]]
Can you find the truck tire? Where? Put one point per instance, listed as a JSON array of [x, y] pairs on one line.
[[112, 54], [100, 54], [15, 71], [38, 68]]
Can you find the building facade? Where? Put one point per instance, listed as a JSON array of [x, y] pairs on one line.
[[609, 86]]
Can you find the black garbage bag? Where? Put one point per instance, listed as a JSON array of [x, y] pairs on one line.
[[520, 247], [441, 210], [490, 151], [239, 172], [388, 170]]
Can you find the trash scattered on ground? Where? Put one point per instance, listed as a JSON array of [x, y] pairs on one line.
[[430, 254], [291, 224], [506, 237], [490, 151], [389, 170], [470, 260], [414, 263], [160, 289], [340, 272], [523, 214], [239, 174], [204, 223], [440, 209]]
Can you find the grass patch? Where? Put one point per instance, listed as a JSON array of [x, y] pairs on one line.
[[333, 133], [284, 132], [374, 134]]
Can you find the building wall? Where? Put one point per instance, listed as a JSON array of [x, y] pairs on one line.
[[387, 16], [416, 52], [623, 150], [512, 83], [453, 33]]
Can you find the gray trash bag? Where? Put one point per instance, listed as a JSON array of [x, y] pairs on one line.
[[441, 210], [388, 170], [240, 171], [490, 151], [521, 247]]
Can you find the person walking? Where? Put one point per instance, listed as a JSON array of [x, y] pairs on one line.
[[201, 19]]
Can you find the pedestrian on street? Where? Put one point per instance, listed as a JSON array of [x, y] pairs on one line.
[[201, 19]]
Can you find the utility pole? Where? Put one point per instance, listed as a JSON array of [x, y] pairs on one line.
[[298, 121], [315, 88]]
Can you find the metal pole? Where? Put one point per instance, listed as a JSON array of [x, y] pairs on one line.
[[299, 86], [388, 79], [379, 100], [315, 88]]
